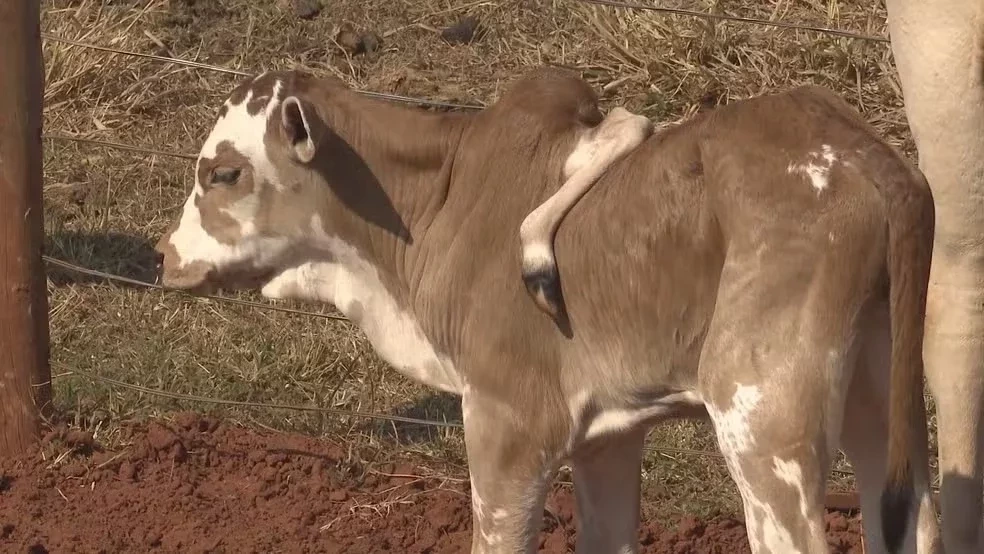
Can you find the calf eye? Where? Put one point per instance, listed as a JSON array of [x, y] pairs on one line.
[[225, 176]]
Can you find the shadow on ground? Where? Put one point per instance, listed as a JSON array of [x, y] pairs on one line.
[[431, 406], [116, 253]]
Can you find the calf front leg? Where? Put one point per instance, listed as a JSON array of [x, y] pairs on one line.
[[511, 464], [597, 149]]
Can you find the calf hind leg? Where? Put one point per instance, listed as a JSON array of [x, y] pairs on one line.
[[776, 453], [775, 396], [596, 150]]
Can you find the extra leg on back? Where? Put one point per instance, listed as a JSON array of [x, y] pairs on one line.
[[864, 439], [596, 150], [939, 52]]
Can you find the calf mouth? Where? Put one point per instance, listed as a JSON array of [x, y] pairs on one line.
[[211, 280]]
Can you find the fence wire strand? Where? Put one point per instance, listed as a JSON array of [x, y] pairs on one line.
[[736, 18], [220, 69], [67, 371], [144, 284], [119, 146]]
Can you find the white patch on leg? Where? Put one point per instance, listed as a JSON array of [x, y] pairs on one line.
[[735, 439], [352, 285], [733, 427], [791, 473]]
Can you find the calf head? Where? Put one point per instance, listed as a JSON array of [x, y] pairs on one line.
[[258, 191]]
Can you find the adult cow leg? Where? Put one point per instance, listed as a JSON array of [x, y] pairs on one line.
[[863, 438], [511, 464], [939, 52], [606, 485]]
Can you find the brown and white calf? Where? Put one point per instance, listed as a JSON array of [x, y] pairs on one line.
[[764, 264]]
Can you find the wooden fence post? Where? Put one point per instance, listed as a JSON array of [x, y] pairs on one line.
[[25, 376]]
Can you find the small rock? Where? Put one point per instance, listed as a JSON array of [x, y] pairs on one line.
[[186, 420], [276, 458], [370, 42], [355, 42], [340, 495], [128, 471], [256, 455], [161, 438], [178, 452], [73, 470], [81, 440], [463, 32], [837, 523], [306, 9], [690, 527]]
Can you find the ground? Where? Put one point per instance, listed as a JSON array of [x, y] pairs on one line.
[[104, 209], [198, 484]]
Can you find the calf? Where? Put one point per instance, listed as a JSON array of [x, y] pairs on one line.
[[764, 265]]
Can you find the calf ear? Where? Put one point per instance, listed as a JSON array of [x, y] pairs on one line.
[[297, 117]]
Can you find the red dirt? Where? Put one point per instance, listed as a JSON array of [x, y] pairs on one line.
[[202, 485]]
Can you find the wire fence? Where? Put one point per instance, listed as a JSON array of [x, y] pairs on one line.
[[737, 19], [109, 277]]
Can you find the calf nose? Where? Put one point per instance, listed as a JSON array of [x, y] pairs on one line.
[[162, 249]]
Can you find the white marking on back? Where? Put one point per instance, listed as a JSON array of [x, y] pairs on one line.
[[817, 168], [353, 285]]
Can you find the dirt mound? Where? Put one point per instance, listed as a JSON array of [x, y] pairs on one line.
[[202, 485]]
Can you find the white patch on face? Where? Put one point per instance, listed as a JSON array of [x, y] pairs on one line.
[[245, 133], [193, 243], [353, 285], [817, 169]]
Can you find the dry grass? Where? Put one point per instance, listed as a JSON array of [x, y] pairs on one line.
[[103, 208]]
